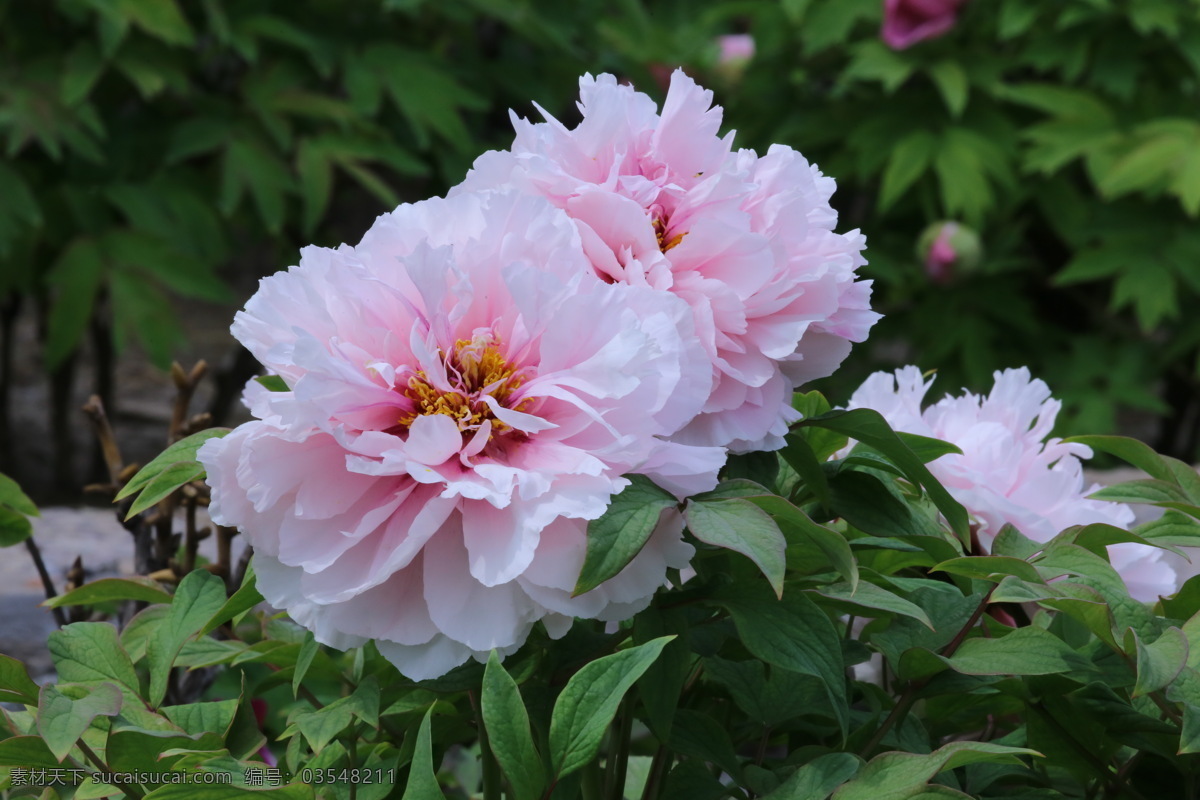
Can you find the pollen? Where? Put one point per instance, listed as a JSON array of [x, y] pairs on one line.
[[474, 368], [660, 233]]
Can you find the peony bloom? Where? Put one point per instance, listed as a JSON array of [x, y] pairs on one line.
[[906, 22], [464, 396], [1009, 473], [661, 201]]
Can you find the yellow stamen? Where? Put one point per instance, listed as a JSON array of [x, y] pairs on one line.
[[660, 233], [475, 368]]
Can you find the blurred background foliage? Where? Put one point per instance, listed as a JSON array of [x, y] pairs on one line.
[[157, 153]]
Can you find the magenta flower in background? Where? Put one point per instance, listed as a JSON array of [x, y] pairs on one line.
[[906, 22], [662, 201], [1009, 472], [465, 394]]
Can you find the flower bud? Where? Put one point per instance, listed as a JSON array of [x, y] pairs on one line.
[[948, 250], [906, 22]]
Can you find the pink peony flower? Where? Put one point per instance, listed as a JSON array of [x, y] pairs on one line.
[[464, 395], [662, 201], [906, 22], [1009, 473]]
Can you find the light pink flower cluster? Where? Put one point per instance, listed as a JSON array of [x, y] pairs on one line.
[[469, 384], [748, 242], [1009, 472]]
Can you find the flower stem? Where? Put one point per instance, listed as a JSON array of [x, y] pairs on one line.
[[47, 582], [909, 696], [491, 768], [618, 756]]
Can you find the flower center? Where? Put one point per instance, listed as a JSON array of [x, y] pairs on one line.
[[475, 368], [660, 233]]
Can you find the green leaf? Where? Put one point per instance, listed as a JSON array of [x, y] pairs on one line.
[[89, 651], [199, 596], [990, 568], [507, 724], [11, 495], [621, 532], [818, 778], [164, 484], [15, 684], [1024, 651], [108, 589], [273, 383], [897, 776], [182, 451], [589, 702], [1148, 490], [951, 81], [27, 751], [909, 160], [795, 634], [868, 426], [1146, 165], [796, 525], [1133, 451], [1159, 662], [422, 784], [159, 18], [308, 651], [872, 598], [196, 718], [15, 527], [76, 275], [230, 791], [66, 710], [1172, 528], [245, 598], [739, 525]]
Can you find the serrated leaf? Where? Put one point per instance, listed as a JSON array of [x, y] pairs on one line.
[[620, 533], [589, 702], [509, 735], [739, 525]]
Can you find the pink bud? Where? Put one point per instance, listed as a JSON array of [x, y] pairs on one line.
[[948, 249], [906, 22]]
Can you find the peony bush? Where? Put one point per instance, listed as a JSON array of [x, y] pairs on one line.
[[540, 506]]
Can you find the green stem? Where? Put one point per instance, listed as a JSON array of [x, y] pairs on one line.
[[491, 768], [658, 771], [618, 755], [590, 785], [909, 697], [133, 790]]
